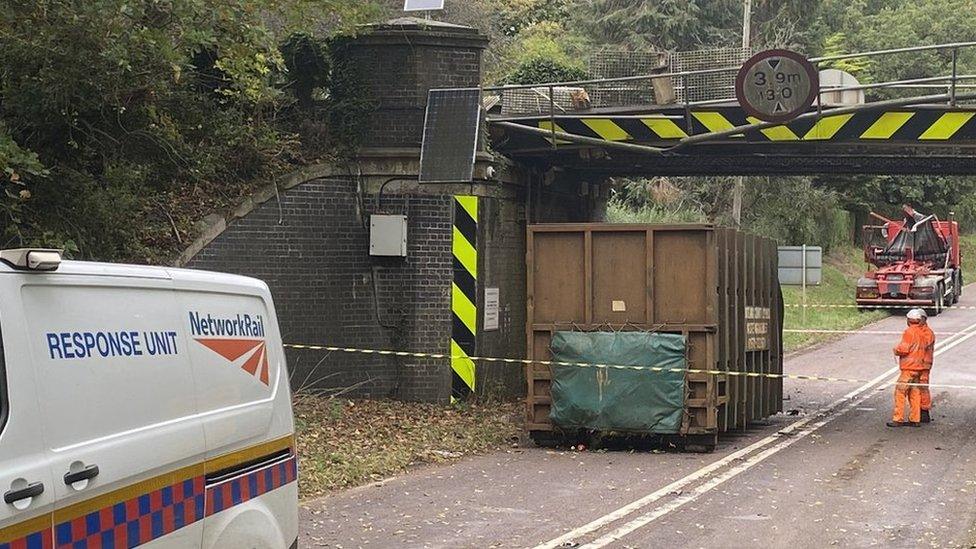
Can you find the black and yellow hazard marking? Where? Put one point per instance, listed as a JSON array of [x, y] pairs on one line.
[[902, 125], [464, 295]]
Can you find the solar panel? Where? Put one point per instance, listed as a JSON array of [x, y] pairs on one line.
[[422, 5], [450, 135]]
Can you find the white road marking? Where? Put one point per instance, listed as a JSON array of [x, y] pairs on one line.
[[827, 414], [853, 332]]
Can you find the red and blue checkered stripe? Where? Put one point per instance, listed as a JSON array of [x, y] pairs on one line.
[[243, 488], [35, 540], [149, 516], [137, 520]]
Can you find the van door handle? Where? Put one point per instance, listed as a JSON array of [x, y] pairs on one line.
[[31, 491], [87, 473]]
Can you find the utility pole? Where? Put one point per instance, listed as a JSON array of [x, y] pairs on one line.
[[740, 182], [746, 23]]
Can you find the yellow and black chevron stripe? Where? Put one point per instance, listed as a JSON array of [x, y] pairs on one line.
[[464, 295], [904, 125]]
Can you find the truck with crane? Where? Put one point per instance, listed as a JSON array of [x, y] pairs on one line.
[[915, 262]]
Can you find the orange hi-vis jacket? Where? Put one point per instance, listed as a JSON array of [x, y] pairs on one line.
[[916, 348]]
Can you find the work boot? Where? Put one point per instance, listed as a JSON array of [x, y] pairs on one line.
[[926, 418], [913, 424], [897, 424]]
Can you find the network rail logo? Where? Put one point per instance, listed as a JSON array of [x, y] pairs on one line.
[[233, 338]]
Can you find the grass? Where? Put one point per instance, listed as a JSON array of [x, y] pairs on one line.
[[840, 273], [345, 443], [967, 243]]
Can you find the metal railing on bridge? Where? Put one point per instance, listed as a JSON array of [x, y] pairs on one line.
[[896, 93], [569, 98]]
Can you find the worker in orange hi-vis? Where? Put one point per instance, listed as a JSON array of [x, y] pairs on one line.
[[914, 354], [925, 397]]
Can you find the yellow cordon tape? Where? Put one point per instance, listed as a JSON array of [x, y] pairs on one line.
[[526, 361]]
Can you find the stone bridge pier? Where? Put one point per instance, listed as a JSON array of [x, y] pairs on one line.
[[308, 236]]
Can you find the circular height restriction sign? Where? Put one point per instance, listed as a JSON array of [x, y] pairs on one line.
[[776, 85]]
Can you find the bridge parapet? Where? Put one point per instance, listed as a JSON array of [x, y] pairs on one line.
[[936, 130]]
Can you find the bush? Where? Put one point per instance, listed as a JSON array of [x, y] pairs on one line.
[[541, 70], [122, 123], [618, 212], [794, 211]]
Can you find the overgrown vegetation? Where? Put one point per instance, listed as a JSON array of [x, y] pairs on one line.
[[772, 207], [124, 121], [344, 443]]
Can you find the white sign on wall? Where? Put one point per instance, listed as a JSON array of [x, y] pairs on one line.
[[491, 309]]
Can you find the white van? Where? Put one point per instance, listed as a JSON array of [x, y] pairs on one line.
[[141, 406]]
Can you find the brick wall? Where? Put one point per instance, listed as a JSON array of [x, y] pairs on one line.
[[312, 244], [313, 251], [396, 68], [502, 266]]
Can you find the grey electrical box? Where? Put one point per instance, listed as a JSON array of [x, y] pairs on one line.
[[388, 235]]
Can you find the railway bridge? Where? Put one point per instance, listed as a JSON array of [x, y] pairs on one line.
[[365, 253], [910, 131]]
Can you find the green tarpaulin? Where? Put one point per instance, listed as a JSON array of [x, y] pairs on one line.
[[613, 399]]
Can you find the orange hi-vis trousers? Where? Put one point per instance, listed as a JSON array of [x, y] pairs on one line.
[[911, 393], [924, 390]]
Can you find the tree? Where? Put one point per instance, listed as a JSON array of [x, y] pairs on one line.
[[667, 24], [110, 109]]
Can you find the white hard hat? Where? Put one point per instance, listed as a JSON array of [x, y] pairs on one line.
[[916, 314]]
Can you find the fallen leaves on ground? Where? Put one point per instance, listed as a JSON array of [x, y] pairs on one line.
[[344, 443]]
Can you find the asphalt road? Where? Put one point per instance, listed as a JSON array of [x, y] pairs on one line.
[[832, 474]]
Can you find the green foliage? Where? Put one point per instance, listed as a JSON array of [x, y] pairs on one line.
[[886, 194], [18, 168], [883, 24], [838, 44], [794, 211], [347, 104], [669, 24], [538, 70], [617, 212], [841, 269], [308, 64], [517, 15], [135, 108], [791, 210], [541, 51], [699, 24]]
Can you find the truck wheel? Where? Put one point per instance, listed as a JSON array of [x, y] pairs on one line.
[[939, 301]]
